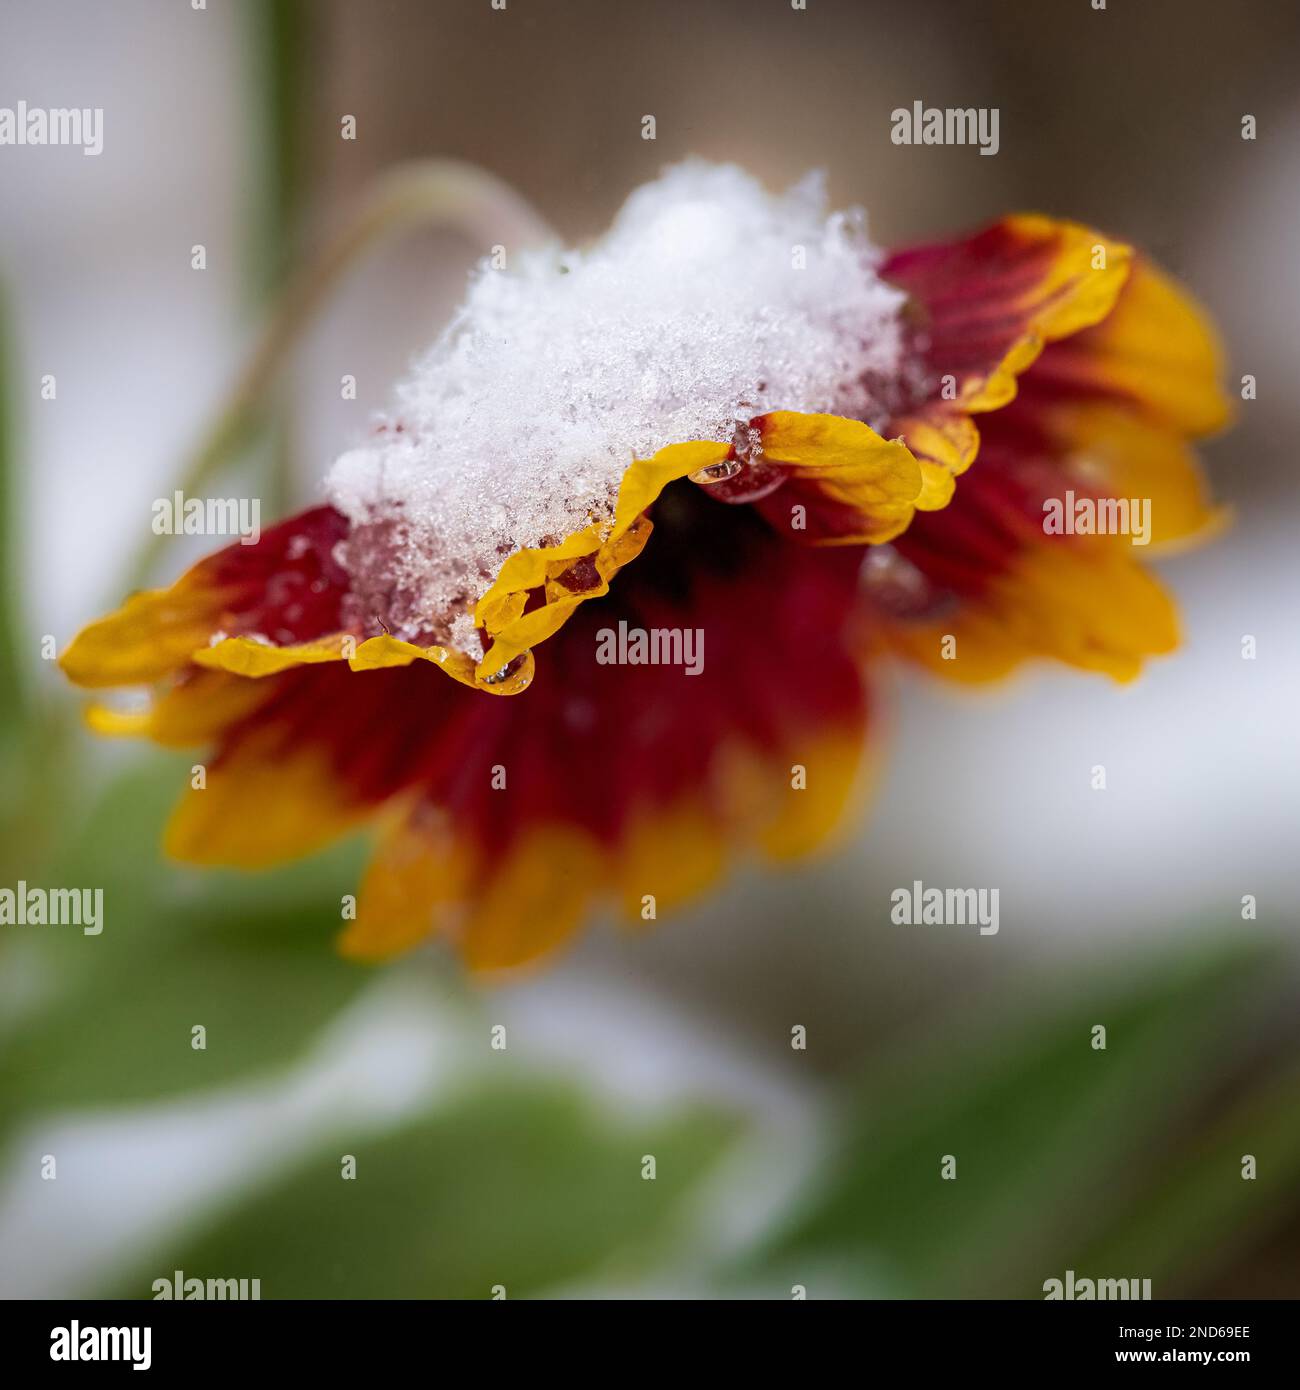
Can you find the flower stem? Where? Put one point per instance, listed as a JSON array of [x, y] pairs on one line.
[[428, 193]]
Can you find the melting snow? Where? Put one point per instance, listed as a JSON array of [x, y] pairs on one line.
[[708, 302]]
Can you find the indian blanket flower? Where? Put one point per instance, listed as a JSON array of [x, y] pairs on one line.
[[734, 417]]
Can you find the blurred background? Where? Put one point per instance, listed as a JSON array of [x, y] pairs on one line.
[[775, 1167]]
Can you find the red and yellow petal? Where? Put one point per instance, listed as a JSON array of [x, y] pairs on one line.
[[987, 306], [1109, 450], [852, 487], [418, 879], [219, 614], [1104, 414], [262, 804], [505, 822], [581, 566], [535, 899], [196, 707], [152, 634], [1157, 353], [1095, 611], [982, 311], [945, 447], [286, 588]]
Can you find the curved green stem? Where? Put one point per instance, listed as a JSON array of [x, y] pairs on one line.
[[428, 193]]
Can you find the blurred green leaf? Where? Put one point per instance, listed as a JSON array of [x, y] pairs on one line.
[[524, 1186], [118, 844], [11, 684], [34, 734], [1202, 1203], [248, 957], [1051, 1137]]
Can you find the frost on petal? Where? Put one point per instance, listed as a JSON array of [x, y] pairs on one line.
[[709, 302]]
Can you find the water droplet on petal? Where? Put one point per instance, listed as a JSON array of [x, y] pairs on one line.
[[717, 472], [750, 483], [512, 673], [898, 587]]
